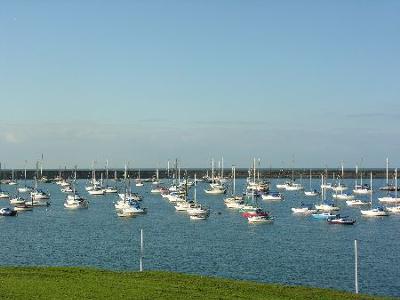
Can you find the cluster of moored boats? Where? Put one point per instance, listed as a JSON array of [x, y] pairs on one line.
[[129, 203]]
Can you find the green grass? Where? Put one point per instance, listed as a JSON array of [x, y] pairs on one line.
[[80, 283]]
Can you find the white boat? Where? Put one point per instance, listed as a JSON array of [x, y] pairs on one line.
[[294, 187], [39, 195], [362, 189], [37, 202], [339, 188], [130, 208], [75, 202], [391, 199], [272, 196], [197, 210], [184, 205], [325, 206], [304, 209], [356, 202], [281, 186], [110, 190], [260, 219], [67, 189], [17, 200], [24, 189], [393, 209], [23, 207], [156, 190], [198, 217], [4, 195], [215, 191], [343, 196], [96, 191], [374, 211], [311, 193]]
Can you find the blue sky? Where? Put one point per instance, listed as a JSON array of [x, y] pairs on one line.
[[147, 81]]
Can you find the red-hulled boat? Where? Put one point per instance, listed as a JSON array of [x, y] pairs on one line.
[[257, 212]]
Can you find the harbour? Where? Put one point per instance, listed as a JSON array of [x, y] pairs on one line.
[[294, 249]]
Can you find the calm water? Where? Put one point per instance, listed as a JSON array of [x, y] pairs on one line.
[[293, 250]]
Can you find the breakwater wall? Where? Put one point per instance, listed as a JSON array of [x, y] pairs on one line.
[[200, 172]]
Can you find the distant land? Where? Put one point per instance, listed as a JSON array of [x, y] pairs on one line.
[[163, 173]]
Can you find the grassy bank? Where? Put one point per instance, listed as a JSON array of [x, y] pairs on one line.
[[76, 283]]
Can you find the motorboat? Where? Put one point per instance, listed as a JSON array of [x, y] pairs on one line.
[[341, 220], [272, 196], [6, 211]]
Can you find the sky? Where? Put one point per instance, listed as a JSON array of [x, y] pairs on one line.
[[314, 82]]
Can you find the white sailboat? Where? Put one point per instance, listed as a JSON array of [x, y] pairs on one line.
[[391, 199], [374, 211], [25, 188], [311, 192]]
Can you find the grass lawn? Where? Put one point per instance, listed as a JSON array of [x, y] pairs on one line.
[[79, 283]]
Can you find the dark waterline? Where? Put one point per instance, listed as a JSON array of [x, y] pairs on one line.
[[294, 250]]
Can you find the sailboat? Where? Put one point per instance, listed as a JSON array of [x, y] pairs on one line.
[[216, 188], [3, 194], [25, 188], [197, 212], [310, 192], [12, 181], [109, 189], [362, 189], [75, 201], [234, 201], [340, 187], [388, 187], [139, 182], [391, 199], [378, 211], [324, 205]]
